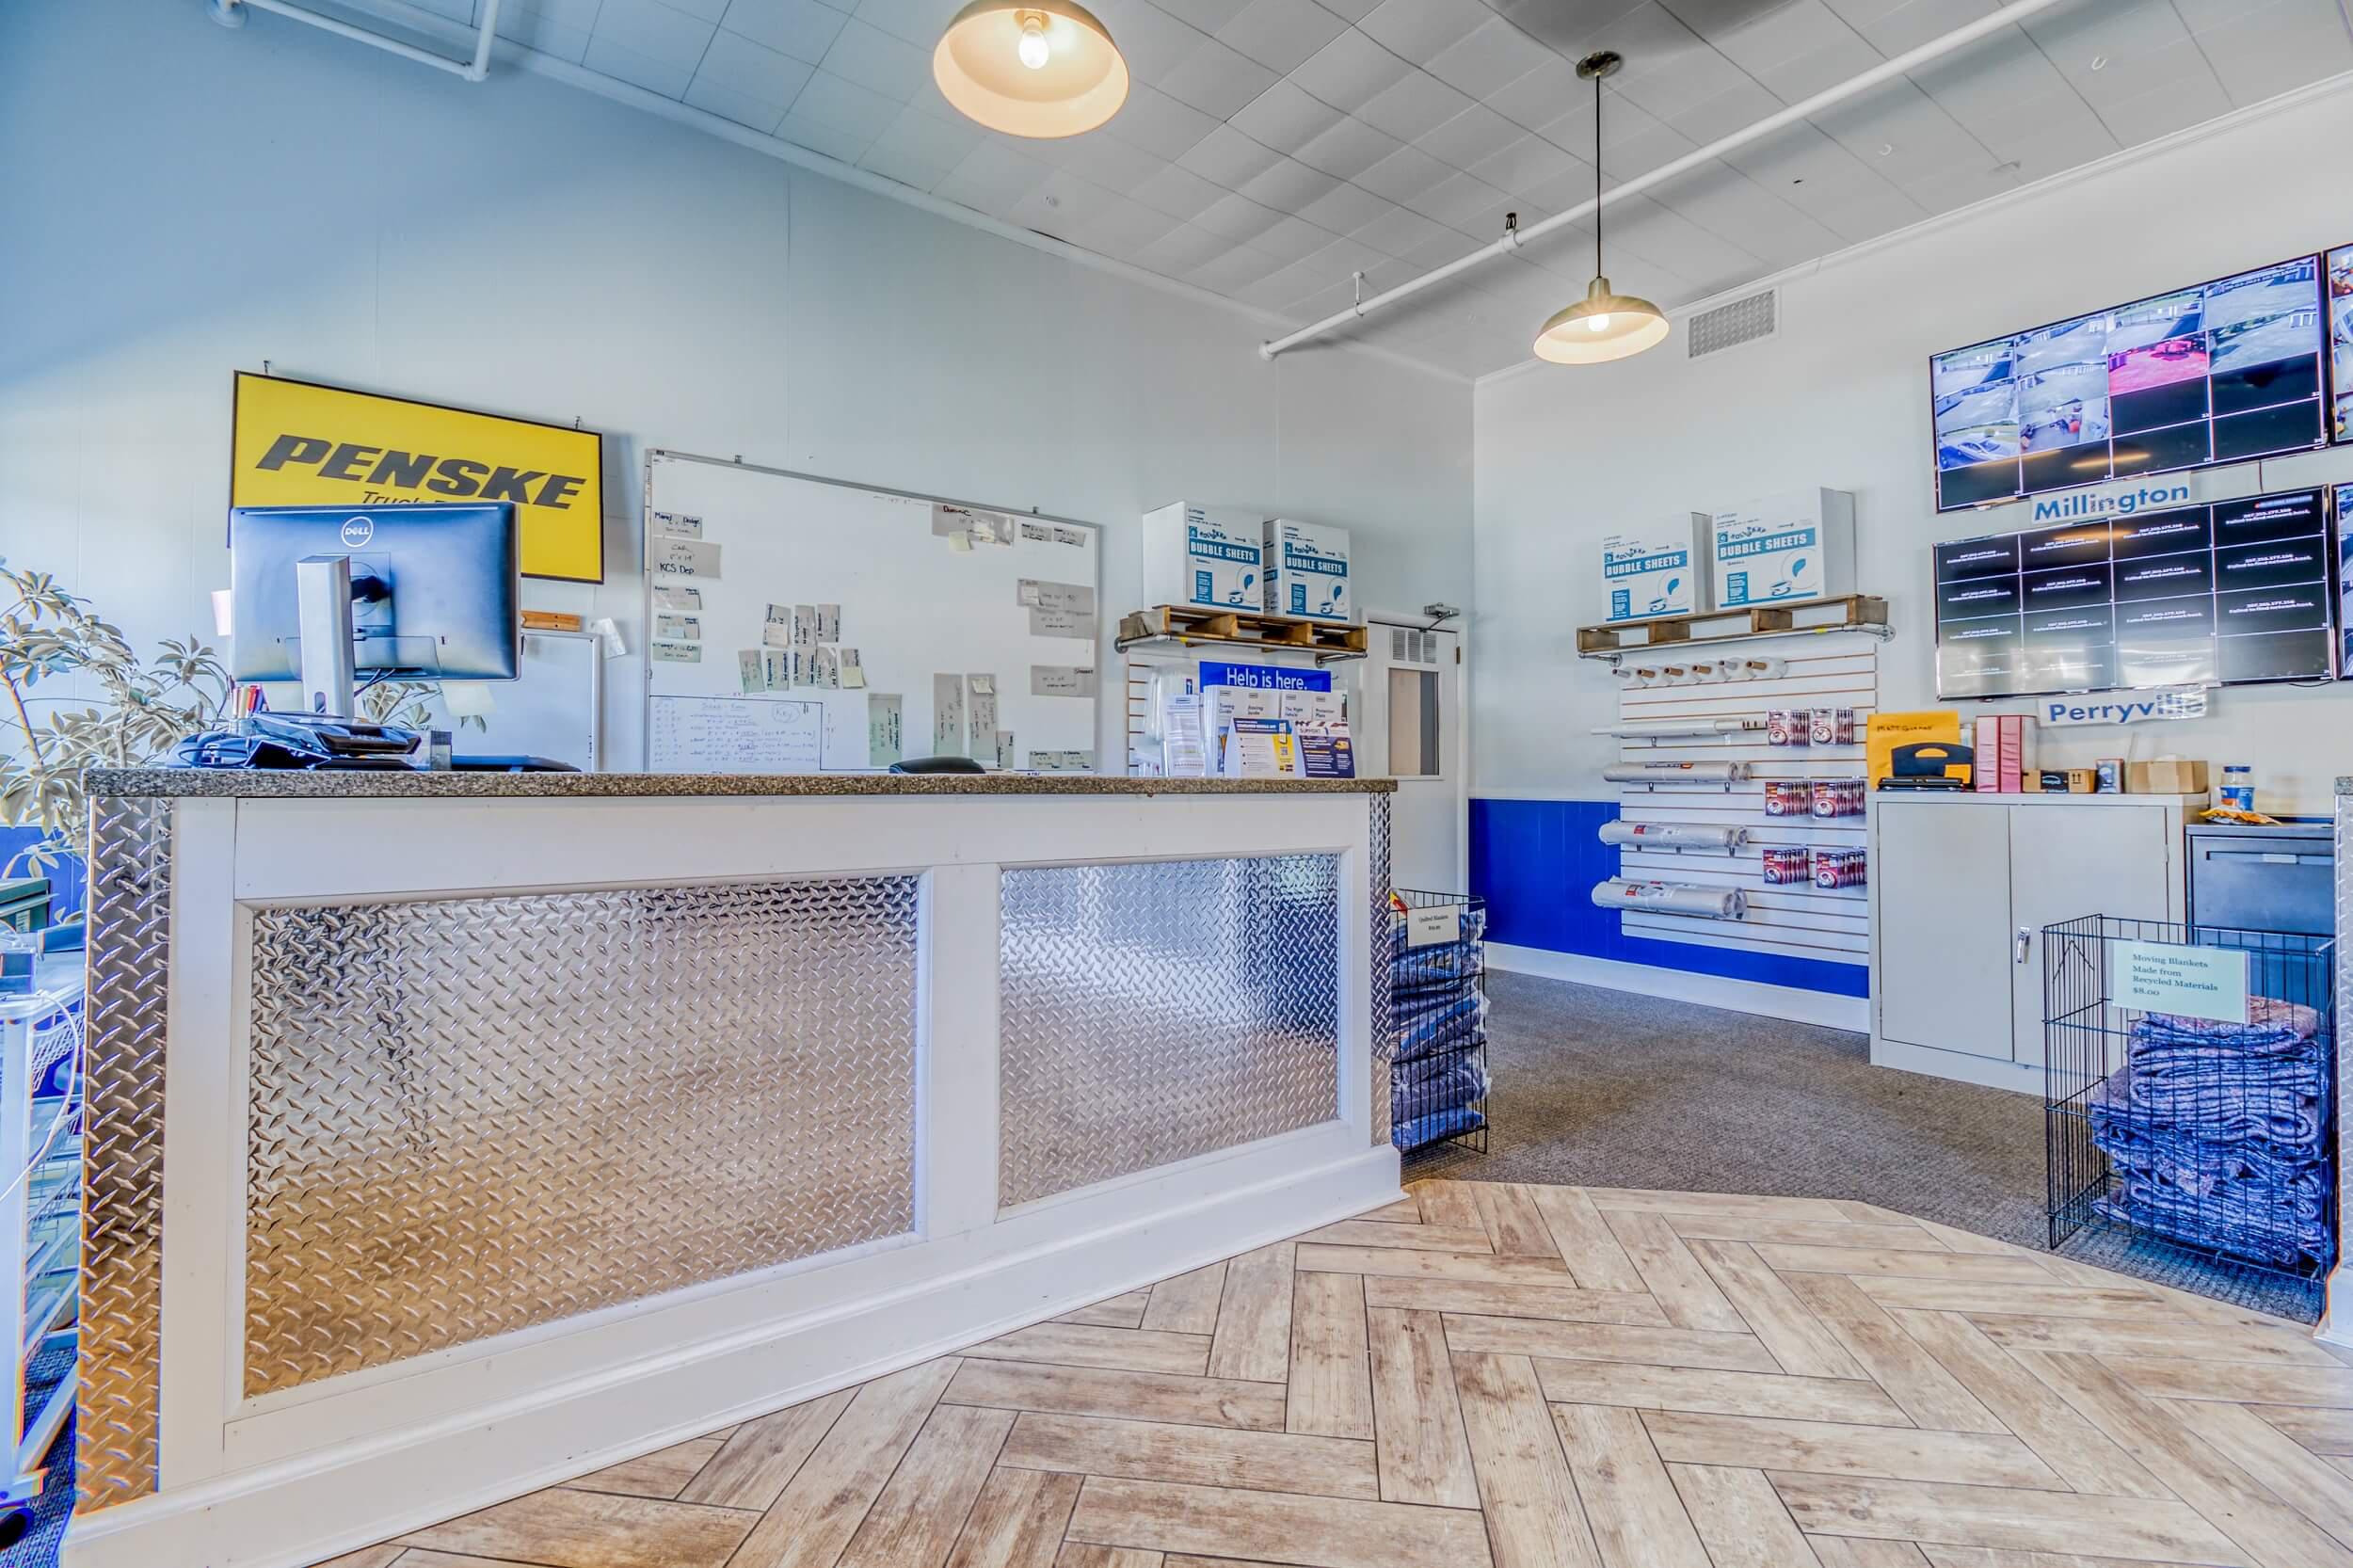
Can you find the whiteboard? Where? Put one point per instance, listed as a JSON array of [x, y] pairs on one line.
[[891, 625]]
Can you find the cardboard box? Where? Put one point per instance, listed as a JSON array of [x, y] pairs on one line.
[[2082, 781], [1211, 557], [1307, 571], [1985, 745], [1784, 549], [1886, 731], [1652, 570], [2169, 775]]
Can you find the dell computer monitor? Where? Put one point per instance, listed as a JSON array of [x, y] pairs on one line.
[[435, 589]]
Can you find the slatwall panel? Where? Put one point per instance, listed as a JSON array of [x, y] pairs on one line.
[[1792, 919]]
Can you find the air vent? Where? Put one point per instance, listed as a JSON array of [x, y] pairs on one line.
[[1743, 321]]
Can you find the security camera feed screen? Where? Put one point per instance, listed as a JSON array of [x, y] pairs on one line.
[[2340, 264], [2226, 592], [2219, 374]]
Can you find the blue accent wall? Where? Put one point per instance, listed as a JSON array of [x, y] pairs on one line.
[[1535, 862]]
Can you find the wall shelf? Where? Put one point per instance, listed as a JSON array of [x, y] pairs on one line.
[[1673, 633]]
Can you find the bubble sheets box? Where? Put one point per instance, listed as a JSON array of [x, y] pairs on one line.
[[1652, 570], [1307, 571], [1208, 556], [1784, 549]]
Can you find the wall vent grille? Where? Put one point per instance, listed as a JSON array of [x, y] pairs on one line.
[[1743, 321]]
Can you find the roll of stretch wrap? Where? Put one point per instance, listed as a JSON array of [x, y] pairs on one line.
[[1674, 835], [1674, 772], [1671, 898]]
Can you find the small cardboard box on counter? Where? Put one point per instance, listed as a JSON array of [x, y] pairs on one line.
[[2167, 775]]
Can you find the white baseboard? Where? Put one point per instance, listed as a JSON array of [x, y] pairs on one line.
[[1703, 990], [2337, 1329], [2022, 1078], [306, 1510]]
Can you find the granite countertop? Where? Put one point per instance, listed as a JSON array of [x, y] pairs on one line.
[[257, 784]]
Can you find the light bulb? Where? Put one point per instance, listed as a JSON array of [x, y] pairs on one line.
[[1033, 47], [1597, 324]]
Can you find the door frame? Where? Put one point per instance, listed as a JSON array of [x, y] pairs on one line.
[[1459, 762]]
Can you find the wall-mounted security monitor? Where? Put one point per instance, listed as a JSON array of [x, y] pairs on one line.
[[434, 590], [2227, 592], [2222, 373]]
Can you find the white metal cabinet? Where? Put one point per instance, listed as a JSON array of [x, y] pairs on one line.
[[1961, 888]]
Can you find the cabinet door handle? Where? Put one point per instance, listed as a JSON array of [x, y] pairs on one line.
[[2026, 940]]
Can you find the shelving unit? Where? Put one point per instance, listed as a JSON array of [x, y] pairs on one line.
[[41, 1212], [1860, 613]]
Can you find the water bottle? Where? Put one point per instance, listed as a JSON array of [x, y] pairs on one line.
[[2238, 787]]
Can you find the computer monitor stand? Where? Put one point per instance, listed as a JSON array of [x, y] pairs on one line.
[[323, 613]]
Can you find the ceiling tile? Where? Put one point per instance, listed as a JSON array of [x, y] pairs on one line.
[[1292, 239], [1232, 269], [558, 28], [1475, 133], [1285, 117], [2173, 107], [738, 65], [1288, 186], [1181, 249], [1216, 80], [707, 10], [654, 31], [834, 141], [1351, 11], [1699, 75], [1206, 15], [1961, 188], [801, 28], [1280, 33], [1404, 174], [1401, 230], [1348, 149], [1349, 71], [1346, 208], [1489, 56], [1771, 35], [1157, 123], [2262, 51], [1718, 117], [667, 77], [1122, 226], [1638, 148], [1178, 192], [1528, 163], [919, 22], [1454, 199], [1152, 42], [929, 138], [1565, 26], [1541, 96], [992, 177], [1420, 29], [760, 114], [1236, 217], [905, 168], [868, 58], [829, 100], [1903, 134], [1414, 105], [1893, 26], [1228, 158], [1111, 163]]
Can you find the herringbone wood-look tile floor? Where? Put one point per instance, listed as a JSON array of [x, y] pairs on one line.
[[1532, 1377]]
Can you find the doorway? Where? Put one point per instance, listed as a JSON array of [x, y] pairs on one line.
[[1412, 731]]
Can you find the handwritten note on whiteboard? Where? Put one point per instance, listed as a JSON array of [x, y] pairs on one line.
[[734, 734]]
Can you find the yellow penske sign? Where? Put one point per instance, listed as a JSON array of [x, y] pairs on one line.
[[299, 444]]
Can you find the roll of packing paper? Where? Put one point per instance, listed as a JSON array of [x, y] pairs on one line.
[[1674, 835], [1674, 772], [1671, 898]]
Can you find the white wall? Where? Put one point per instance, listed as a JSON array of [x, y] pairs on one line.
[[182, 201], [1841, 399]]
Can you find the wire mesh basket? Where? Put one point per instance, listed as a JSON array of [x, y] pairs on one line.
[[1438, 995], [2190, 1092]]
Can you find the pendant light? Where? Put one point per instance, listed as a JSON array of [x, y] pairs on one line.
[[1041, 67], [1604, 324]]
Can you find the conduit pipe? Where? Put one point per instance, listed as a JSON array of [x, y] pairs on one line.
[[231, 13], [1960, 38]]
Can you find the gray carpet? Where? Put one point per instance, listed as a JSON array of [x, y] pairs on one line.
[[1603, 1088]]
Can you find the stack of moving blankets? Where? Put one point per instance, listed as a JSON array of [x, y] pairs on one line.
[[1439, 1075], [2215, 1133]]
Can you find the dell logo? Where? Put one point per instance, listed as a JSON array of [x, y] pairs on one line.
[[358, 532]]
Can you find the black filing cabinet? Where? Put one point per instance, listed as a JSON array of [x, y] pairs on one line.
[[2278, 878]]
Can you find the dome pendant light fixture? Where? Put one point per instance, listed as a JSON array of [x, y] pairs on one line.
[[1604, 324], [1040, 68]]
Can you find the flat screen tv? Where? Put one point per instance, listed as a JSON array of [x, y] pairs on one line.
[[2223, 592], [2338, 277], [2222, 373]]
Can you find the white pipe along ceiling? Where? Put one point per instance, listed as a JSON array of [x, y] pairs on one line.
[[231, 13], [1960, 38]]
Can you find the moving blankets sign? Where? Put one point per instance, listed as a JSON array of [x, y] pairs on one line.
[[298, 444], [2187, 982]]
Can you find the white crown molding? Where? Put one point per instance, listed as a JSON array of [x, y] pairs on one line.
[[2222, 124], [522, 56]]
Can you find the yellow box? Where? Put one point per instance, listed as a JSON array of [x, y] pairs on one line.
[[1889, 731]]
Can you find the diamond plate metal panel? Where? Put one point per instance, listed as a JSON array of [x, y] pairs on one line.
[[469, 1116], [130, 947], [1151, 1012], [1383, 1009]]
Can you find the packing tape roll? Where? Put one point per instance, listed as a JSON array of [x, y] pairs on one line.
[[1673, 773], [1671, 898], [1674, 835]]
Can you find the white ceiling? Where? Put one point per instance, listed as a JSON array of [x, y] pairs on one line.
[[1271, 148]]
